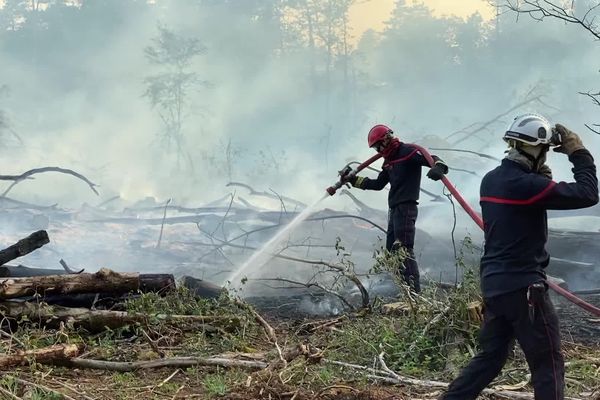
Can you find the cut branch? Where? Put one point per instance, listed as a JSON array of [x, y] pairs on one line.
[[24, 246], [267, 194], [99, 320], [178, 362], [46, 355], [19, 178]]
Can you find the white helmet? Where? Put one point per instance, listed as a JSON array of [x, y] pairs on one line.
[[532, 129]]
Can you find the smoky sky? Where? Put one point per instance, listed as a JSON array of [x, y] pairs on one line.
[[282, 104]]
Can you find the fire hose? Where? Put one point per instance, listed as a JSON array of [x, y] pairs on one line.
[[469, 210]]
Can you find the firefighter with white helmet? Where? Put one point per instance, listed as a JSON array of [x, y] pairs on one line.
[[514, 199]]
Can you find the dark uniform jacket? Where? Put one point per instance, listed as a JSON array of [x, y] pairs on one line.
[[402, 170], [514, 202]]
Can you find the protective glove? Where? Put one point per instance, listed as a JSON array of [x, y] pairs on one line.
[[546, 171], [356, 181], [438, 171], [570, 141]]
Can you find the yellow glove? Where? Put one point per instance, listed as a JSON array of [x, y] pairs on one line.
[[357, 181], [570, 141]]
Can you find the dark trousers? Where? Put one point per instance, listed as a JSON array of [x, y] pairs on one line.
[[401, 233], [506, 318]]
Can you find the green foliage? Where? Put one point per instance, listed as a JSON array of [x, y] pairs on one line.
[[181, 301], [215, 385], [435, 328]]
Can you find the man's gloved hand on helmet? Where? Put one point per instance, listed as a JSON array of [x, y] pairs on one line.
[[438, 171], [570, 141]]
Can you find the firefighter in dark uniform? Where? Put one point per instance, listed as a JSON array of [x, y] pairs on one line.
[[514, 200], [402, 170]]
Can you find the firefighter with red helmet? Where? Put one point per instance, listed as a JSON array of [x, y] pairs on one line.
[[402, 170]]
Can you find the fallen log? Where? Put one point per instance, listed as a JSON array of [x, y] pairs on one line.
[[177, 362], [202, 288], [21, 271], [24, 246], [47, 355], [100, 320], [104, 280]]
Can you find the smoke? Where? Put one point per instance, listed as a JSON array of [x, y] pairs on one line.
[[272, 111]]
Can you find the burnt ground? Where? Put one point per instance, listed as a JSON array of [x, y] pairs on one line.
[[577, 325]]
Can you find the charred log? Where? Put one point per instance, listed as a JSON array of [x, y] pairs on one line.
[[24, 246], [201, 288]]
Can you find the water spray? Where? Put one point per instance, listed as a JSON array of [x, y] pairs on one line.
[[347, 173]]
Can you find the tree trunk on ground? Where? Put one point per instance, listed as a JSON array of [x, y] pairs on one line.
[[104, 280], [99, 320], [21, 271], [179, 362], [46, 355], [201, 288], [24, 246]]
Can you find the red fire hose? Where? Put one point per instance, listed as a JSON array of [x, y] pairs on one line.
[[477, 218]]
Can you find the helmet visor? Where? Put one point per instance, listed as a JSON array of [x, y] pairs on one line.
[[378, 146]]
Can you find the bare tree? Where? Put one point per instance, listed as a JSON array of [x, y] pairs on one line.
[[559, 9], [168, 90], [585, 14]]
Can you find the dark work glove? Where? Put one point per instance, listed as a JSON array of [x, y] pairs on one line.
[[438, 171]]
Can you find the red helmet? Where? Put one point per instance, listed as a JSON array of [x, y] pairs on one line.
[[378, 133]]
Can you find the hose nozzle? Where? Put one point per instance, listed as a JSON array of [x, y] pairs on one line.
[[331, 190]]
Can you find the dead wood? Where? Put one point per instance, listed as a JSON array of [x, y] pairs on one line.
[[201, 288], [40, 386], [158, 283], [67, 269], [104, 280], [474, 129], [177, 362], [46, 355], [162, 226], [267, 194], [21, 271], [24, 246], [225, 243], [19, 178], [363, 208], [482, 155], [22, 204], [9, 395], [308, 285], [100, 320], [388, 376], [333, 267], [269, 331]]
